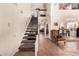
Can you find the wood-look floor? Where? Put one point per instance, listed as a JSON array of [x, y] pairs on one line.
[[48, 48], [25, 53]]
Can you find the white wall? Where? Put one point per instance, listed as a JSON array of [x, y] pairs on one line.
[[54, 15], [62, 15], [48, 18], [12, 26]]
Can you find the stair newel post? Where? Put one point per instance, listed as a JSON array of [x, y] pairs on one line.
[[37, 42]]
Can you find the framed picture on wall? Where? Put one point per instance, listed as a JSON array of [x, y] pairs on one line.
[[65, 6], [68, 6]]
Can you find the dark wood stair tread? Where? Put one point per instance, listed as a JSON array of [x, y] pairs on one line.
[[27, 44], [27, 37], [32, 25], [43, 9], [31, 30], [30, 33], [28, 41], [26, 48]]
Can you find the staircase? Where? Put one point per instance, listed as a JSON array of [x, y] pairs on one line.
[[28, 42]]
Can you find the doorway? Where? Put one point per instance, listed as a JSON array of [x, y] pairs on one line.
[[72, 26]]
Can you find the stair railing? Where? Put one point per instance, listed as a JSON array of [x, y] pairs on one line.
[[37, 43]]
